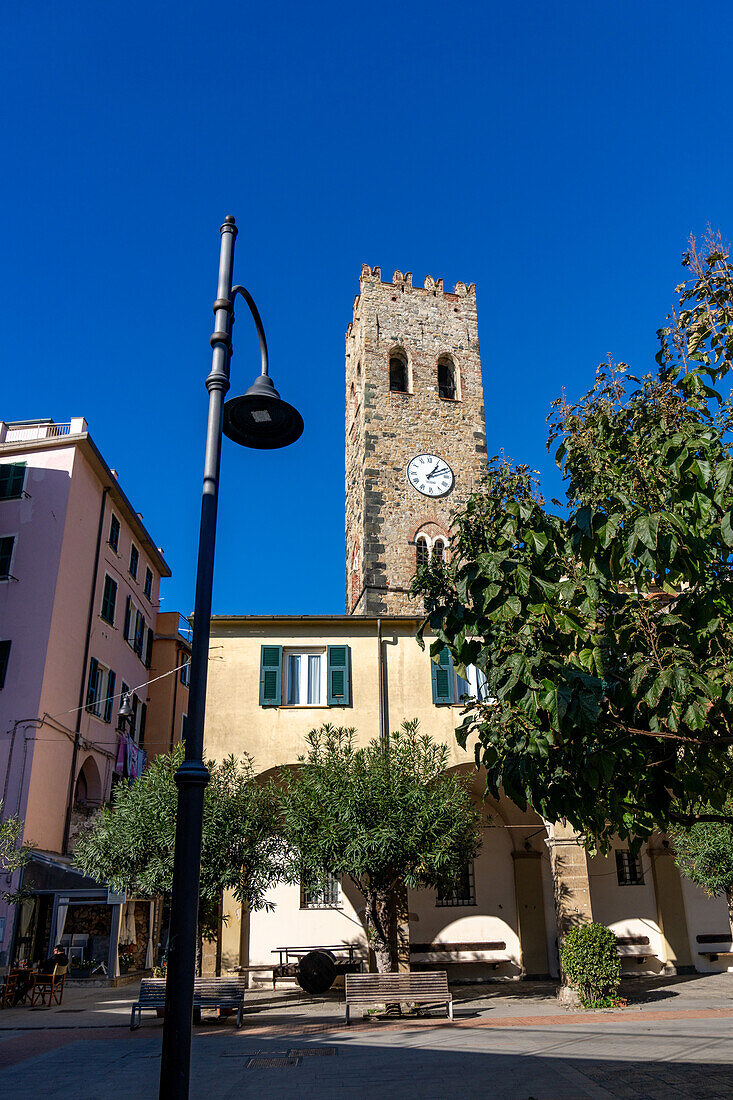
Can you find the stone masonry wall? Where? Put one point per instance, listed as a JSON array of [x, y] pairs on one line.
[[384, 430]]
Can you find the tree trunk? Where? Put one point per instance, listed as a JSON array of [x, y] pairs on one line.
[[377, 918], [729, 899]]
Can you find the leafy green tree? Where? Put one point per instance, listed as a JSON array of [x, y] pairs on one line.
[[704, 853], [379, 816], [604, 625], [130, 843], [13, 855]]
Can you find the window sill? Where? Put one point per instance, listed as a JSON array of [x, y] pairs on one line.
[[450, 400], [303, 706], [108, 623]]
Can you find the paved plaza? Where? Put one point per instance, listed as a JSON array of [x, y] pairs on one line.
[[509, 1042]]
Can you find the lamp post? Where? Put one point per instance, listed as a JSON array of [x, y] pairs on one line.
[[262, 420]]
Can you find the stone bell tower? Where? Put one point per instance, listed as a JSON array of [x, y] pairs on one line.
[[415, 432]]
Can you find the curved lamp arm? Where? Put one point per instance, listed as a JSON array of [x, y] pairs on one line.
[[258, 323]]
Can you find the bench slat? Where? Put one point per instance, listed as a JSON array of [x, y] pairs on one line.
[[427, 987]]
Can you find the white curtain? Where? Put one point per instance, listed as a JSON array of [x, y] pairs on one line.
[[26, 912], [293, 679], [314, 678], [61, 911], [149, 952], [128, 934]]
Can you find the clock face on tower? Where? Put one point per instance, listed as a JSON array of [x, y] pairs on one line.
[[430, 475]]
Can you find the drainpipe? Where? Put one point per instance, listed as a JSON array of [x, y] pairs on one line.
[[383, 729], [179, 650], [82, 685]]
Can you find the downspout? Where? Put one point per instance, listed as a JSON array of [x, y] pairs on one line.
[[82, 685], [383, 729], [175, 695]]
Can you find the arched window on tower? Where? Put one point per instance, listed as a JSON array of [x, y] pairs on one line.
[[447, 378], [398, 372], [422, 553], [439, 550]]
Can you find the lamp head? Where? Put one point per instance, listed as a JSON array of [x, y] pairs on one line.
[[125, 710], [261, 419]]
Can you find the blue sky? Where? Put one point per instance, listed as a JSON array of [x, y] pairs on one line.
[[556, 155]]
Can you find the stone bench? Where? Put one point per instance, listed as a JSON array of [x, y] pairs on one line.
[[491, 953], [717, 945]]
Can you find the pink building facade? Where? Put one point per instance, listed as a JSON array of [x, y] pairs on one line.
[[79, 596]]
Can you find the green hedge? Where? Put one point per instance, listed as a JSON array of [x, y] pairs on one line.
[[591, 965]]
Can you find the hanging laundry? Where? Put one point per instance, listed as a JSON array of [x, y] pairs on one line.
[[121, 755]]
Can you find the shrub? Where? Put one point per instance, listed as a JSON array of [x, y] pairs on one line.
[[591, 965]]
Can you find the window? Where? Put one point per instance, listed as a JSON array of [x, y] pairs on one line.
[[186, 673], [148, 586], [628, 869], [449, 688], [143, 721], [398, 373], [148, 658], [109, 600], [439, 549], [463, 892], [184, 719], [12, 477], [114, 533], [473, 686], [324, 895], [134, 559], [304, 678], [100, 690], [446, 379], [135, 629], [4, 658], [422, 553], [7, 544]]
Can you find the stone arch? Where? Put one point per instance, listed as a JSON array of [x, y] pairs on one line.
[[400, 380], [449, 380], [88, 790]]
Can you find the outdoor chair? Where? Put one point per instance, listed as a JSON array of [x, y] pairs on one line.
[[49, 985]]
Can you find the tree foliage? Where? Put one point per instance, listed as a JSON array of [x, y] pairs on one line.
[[604, 626], [13, 855], [704, 854], [379, 817], [130, 843]]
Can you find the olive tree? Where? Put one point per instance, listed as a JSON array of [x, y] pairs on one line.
[[380, 815]]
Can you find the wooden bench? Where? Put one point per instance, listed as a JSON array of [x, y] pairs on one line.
[[492, 953], [221, 993], [718, 945], [425, 988], [634, 947]]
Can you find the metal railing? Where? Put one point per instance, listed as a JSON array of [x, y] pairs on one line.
[[36, 431]]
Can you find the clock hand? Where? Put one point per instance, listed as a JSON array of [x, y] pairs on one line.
[[435, 471]]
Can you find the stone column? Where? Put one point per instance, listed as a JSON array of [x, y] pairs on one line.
[[531, 913], [570, 878], [671, 916], [571, 888]]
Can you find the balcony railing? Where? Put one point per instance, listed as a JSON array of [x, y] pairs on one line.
[[33, 432]]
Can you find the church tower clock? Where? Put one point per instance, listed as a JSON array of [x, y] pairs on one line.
[[415, 432]]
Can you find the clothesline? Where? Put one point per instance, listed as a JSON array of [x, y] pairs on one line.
[[119, 694]]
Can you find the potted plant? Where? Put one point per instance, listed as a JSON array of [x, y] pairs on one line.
[[127, 961]]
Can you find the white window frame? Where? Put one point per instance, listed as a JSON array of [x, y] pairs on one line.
[[304, 652]]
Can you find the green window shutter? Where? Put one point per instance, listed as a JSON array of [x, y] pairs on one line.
[[4, 658], [271, 675], [110, 692], [92, 686], [109, 600], [339, 680], [128, 616], [6, 554], [12, 475], [442, 677]]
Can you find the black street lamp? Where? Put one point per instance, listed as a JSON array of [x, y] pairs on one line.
[[258, 419]]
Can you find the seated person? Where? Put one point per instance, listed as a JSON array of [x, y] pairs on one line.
[[59, 958]]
